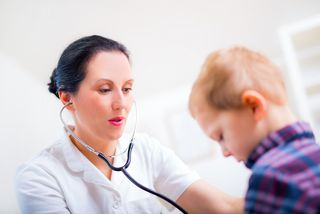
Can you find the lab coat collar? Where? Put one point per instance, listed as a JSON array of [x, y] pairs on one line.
[[77, 162], [71, 154]]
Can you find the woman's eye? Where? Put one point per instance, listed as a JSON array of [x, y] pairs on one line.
[[104, 90], [127, 90]]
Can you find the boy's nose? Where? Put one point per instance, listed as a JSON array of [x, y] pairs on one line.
[[226, 153]]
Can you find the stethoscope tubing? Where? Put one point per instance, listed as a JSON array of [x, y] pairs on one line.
[[125, 172], [121, 168]]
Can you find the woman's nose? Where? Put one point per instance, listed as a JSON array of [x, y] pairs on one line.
[[118, 101]]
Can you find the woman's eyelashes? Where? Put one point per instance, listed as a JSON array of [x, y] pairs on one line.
[[104, 90], [125, 90]]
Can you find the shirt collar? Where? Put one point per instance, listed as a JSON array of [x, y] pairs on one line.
[[74, 158], [287, 134], [77, 162]]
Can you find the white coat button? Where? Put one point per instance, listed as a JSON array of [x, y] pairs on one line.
[[116, 204]]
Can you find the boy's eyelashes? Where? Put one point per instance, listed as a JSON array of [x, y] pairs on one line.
[[221, 138], [217, 137]]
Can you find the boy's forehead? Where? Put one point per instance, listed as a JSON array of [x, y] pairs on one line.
[[197, 103], [203, 109]]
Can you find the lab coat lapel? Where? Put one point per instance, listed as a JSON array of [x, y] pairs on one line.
[[118, 179], [77, 162], [93, 175], [71, 155]]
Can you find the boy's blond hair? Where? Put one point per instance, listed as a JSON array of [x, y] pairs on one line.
[[227, 73]]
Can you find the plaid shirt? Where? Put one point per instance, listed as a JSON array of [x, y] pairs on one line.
[[285, 173]]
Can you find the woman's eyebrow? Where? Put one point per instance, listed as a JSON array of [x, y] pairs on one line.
[[104, 80], [130, 81], [109, 80]]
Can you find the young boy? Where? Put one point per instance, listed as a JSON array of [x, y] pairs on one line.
[[239, 100]]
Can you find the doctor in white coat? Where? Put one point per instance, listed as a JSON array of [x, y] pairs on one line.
[[93, 78]]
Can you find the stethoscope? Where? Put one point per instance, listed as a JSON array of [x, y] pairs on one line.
[[121, 168]]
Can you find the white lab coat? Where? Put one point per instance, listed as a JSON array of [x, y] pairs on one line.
[[62, 180]]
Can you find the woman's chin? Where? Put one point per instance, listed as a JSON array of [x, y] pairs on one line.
[[114, 136]]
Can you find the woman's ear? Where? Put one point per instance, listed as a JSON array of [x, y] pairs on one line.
[[65, 98], [256, 102]]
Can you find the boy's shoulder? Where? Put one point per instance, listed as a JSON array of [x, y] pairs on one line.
[[290, 158]]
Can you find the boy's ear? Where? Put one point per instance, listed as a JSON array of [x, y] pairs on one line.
[[256, 102], [65, 98]]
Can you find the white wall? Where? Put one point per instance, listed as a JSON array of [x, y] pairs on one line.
[[28, 123], [168, 41]]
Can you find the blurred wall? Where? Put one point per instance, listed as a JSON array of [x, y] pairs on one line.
[[168, 41]]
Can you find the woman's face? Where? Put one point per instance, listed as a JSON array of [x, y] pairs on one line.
[[104, 99]]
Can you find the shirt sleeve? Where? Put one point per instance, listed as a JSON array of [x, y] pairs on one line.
[[270, 191], [38, 192]]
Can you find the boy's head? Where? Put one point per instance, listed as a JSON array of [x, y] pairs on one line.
[[232, 95]]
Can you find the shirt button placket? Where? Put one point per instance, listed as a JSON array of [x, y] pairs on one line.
[[116, 202]]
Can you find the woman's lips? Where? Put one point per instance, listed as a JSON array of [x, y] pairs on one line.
[[117, 121]]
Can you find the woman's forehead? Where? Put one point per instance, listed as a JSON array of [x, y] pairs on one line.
[[112, 66]]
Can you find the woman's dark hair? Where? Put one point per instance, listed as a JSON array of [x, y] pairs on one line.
[[71, 68]]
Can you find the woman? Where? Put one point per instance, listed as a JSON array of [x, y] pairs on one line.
[[93, 80]]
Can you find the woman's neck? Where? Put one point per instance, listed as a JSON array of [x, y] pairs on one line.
[[107, 147]]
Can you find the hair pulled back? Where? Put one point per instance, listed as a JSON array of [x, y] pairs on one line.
[[71, 67]]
